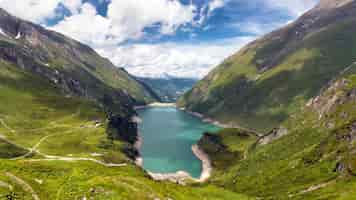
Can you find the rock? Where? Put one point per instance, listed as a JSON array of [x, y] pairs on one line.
[[273, 135]]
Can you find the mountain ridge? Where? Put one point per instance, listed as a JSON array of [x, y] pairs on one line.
[[270, 78], [74, 66]]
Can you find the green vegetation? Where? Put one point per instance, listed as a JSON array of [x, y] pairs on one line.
[[35, 114], [266, 82], [76, 180], [169, 89], [313, 161]]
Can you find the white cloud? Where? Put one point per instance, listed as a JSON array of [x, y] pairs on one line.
[[215, 4], [135, 15], [207, 10], [37, 10], [72, 5], [90, 28], [125, 20], [179, 60]]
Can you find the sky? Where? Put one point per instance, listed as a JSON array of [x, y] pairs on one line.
[[160, 38]]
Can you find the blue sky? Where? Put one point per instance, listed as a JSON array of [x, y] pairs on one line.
[[183, 38]]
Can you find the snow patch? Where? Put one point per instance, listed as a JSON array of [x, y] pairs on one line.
[[2, 32], [18, 36]]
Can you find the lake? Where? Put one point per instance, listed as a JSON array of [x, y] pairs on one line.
[[168, 134]]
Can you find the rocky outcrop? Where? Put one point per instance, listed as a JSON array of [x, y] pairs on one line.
[[273, 135], [123, 128], [332, 97]]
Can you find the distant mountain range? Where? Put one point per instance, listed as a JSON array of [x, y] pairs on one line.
[[168, 88]]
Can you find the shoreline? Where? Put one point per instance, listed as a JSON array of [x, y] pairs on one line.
[[206, 163], [219, 124], [179, 177]]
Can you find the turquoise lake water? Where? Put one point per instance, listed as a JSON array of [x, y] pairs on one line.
[[168, 135]]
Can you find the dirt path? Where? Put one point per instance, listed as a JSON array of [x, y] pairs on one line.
[[34, 148], [25, 186], [72, 159], [3, 138], [47, 157], [313, 188], [6, 185], [3, 123]]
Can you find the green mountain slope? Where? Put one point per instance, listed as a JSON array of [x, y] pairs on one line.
[[269, 79], [74, 67], [312, 155], [54, 146], [57, 140]]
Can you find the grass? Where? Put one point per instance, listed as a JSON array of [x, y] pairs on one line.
[[34, 110], [237, 93], [63, 180], [308, 156]]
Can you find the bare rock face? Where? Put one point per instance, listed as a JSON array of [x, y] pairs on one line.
[[333, 96], [273, 135]]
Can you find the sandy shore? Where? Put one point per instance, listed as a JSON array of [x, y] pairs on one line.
[[181, 177], [137, 146], [206, 163]]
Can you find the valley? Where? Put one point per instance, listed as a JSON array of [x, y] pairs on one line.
[[276, 120]]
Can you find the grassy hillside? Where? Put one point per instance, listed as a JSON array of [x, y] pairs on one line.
[[314, 159], [267, 81], [63, 180], [56, 147], [72, 66]]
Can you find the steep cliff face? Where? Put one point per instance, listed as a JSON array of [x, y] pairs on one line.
[[74, 67], [269, 79]]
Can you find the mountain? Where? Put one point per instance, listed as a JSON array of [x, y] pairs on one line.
[[169, 89], [74, 67], [310, 156], [66, 127], [271, 78]]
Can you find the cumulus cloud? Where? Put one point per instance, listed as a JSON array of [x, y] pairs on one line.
[[215, 4], [37, 10], [135, 15], [90, 28], [173, 59], [125, 20]]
